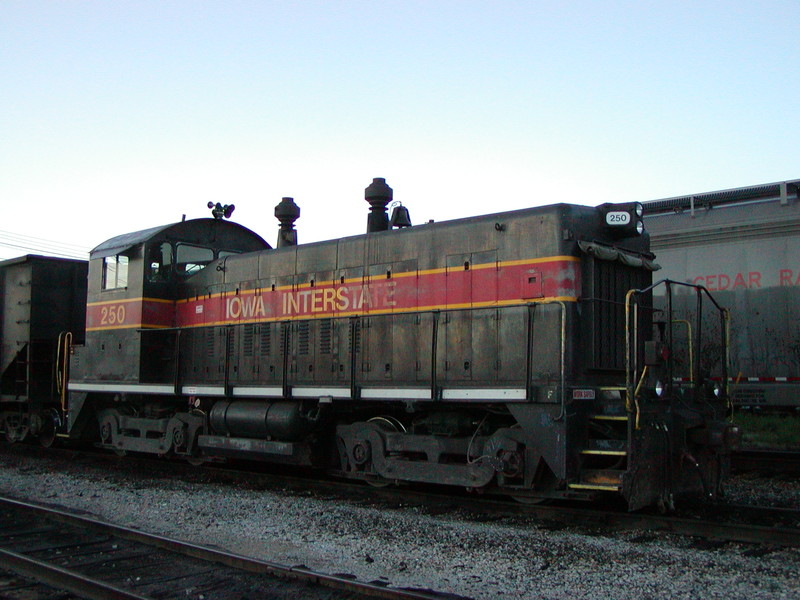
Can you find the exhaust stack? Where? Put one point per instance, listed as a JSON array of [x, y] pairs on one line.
[[378, 194], [287, 212]]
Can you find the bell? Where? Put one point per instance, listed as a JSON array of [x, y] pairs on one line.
[[400, 217]]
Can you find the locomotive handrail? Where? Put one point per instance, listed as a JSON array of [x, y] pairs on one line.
[[62, 366], [630, 394], [631, 355], [691, 346], [563, 357], [671, 282], [434, 358]]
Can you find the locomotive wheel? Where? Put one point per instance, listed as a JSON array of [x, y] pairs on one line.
[[47, 428], [9, 434], [390, 425], [47, 436], [15, 432]]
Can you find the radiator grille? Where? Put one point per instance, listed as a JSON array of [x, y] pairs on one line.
[[265, 339], [248, 336], [611, 281], [325, 336], [354, 337], [303, 337], [210, 342]]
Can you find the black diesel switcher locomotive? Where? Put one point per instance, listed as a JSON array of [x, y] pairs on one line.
[[514, 353]]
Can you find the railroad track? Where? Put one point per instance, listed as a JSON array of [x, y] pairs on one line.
[[96, 560], [728, 523], [720, 523]]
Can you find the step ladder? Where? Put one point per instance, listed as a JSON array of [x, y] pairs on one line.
[[604, 459]]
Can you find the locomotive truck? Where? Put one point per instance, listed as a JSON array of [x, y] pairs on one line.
[[515, 353]]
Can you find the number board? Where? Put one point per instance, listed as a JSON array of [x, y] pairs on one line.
[[618, 217]]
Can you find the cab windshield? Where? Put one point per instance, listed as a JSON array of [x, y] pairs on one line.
[[180, 258]]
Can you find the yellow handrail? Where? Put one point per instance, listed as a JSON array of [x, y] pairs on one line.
[[628, 384], [631, 395], [636, 395], [62, 366]]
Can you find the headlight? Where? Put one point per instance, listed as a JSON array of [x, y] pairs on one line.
[[659, 389], [623, 220], [732, 438]]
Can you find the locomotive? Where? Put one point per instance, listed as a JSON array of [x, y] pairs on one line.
[[515, 353]]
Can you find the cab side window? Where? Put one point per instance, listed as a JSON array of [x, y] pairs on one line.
[[159, 262], [115, 272]]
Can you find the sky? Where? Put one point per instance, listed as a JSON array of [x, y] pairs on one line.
[[117, 116]]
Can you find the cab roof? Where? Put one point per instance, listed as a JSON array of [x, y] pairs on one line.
[[192, 231]]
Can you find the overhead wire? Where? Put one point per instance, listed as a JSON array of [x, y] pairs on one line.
[[33, 245], [20, 236]]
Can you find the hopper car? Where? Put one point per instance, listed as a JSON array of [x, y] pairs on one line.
[[743, 245]]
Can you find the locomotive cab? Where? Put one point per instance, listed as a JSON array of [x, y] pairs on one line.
[[130, 315]]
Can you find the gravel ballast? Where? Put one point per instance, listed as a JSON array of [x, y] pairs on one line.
[[405, 547]]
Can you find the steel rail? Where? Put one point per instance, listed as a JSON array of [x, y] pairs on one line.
[[727, 532], [783, 462], [221, 557], [64, 579]]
